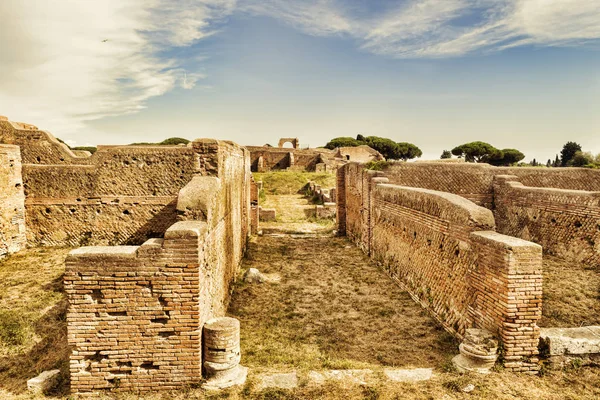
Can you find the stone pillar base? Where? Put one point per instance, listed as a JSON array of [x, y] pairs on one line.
[[477, 352], [233, 377]]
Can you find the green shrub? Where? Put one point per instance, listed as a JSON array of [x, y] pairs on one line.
[[377, 165]]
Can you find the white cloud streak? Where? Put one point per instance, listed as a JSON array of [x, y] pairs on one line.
[[67, 62], [436, 28]]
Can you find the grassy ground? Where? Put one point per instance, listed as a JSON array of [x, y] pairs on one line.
[[571, 294], [332, 309], [32, 316], [291, 182], [294, 215]]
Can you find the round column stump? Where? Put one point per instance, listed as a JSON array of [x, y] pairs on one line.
[[477, 352], [222, 354]]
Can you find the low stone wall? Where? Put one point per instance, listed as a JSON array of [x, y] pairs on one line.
[[565, 222], [136, 313], [443, 250], [12, 201]]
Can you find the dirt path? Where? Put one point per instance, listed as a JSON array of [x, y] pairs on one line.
[[332, 309]]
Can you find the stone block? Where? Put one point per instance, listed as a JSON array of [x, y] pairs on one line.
[[267, 214], [571, 341], [43, 382]]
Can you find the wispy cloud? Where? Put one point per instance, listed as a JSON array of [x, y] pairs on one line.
[[67, 62], [445, 28]]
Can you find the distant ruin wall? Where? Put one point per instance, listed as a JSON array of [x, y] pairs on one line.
[[443, 250], [265, 159], [125, 196], [475, 181], [565, 222], [136, 313], [37, 147], [12, 201]]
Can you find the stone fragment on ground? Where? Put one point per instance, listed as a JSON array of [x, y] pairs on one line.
[[278, 381], [571, 341], [43, 382], [469, 388], [354, 376], [408, 375], [253, 275]]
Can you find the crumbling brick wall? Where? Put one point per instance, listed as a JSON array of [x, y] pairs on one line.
[[134, 317], [443, 250], [37, 147], [265, 159], [565, 222], [136, 313], [12, 201]]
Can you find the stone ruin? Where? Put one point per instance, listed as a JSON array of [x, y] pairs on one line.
[[164, 229], [267, 158], [466, 240]]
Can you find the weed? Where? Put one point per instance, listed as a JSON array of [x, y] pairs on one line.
[[14, 329], [377, 165]]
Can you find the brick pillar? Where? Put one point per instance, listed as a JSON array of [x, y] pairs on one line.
[[372, 184], [508, 284]]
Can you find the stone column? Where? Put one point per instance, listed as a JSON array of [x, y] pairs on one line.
[[222, 354]]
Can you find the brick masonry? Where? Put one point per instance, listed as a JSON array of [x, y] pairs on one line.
[[136, 312], [12, 201], [565, 222], [475, 181], [443, 249]]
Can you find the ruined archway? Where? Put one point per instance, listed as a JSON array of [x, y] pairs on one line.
[[294, 142]]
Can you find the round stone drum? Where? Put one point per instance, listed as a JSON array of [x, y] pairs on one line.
[[222, 353]]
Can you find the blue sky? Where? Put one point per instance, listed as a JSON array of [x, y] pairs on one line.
[[437, 73]]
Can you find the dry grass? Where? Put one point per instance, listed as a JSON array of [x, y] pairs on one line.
[[293, 215], [571, 294], [292, 182], [332, 309], [33, 311]]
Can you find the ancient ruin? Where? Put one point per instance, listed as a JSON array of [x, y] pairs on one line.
[[266, 158], [162, 231], [466, 240]]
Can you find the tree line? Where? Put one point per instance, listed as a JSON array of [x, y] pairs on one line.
[[571, 154], [387, 147]]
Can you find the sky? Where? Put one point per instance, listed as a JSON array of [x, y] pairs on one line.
[[519, 74]]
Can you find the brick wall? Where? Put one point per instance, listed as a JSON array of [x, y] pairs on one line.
[[565, 222], [36, 146], [443, 250], [136, 313], [12, 201], [125, 195], [475, 181]]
